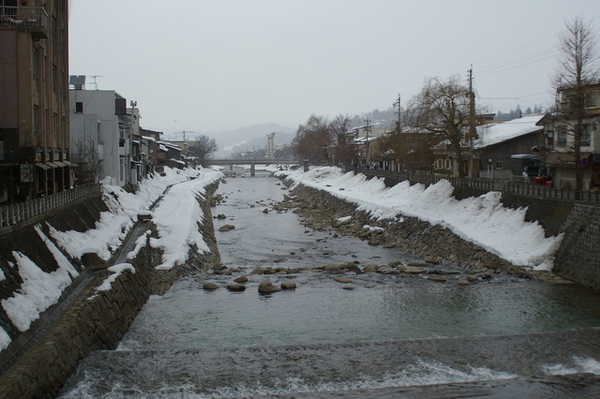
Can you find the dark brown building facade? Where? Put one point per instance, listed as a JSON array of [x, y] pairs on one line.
[[34, 99]]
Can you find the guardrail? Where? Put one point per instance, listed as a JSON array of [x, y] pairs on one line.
[[22, 211], [589, 197]]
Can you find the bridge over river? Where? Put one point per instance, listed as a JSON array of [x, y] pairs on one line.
[[253, 163]]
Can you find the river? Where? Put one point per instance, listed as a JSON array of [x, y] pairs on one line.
[[376, 336]]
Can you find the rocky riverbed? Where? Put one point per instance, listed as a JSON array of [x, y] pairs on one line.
[[438, 247]]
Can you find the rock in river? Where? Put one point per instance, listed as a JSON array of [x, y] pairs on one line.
[[236, 287], [342, 280], [288, 285], [210, 286], [227, 227], [267, 287]]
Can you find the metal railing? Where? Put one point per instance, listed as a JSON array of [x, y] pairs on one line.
[[22, 211], [533, 190], [28, 17]]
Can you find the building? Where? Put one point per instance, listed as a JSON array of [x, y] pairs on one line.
[[559, 143], [508, 150], [102, 129], [34, 99], [501, 150]]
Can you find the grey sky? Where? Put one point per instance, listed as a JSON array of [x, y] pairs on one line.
[[211, 65]]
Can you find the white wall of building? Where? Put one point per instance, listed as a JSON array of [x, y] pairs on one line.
[[100, 105]]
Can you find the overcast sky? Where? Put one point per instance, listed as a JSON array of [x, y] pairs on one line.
[[212, 65]]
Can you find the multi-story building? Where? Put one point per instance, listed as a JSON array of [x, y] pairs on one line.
[[101, 136], [560, 140], [34, 99]]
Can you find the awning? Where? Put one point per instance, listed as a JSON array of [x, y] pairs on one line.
[[52, 165], [42, 165], [69, 163], [60, 164]]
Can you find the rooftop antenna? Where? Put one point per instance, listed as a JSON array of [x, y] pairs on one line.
[[94, 82]]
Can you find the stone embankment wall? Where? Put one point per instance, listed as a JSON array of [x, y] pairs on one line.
[[577, 259], [97, 320]]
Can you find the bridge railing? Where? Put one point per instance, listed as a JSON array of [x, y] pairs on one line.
[[22, 211]]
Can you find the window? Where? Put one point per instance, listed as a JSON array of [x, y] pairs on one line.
[[550, 138], [591, 99], [78, 107], [561, 135], [498, 165], [36, 122], [585, 135], [34, 64]]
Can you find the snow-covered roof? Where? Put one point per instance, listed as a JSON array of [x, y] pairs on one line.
[[169, 145], [499, 132], [177, 161], [360, 140]]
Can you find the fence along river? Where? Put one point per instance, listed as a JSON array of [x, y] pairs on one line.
[[387, 336]]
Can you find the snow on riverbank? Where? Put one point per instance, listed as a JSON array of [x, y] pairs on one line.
[[113, 226], [482, 220], [176, 217]]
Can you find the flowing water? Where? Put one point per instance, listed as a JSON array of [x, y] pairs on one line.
[[377, 336]]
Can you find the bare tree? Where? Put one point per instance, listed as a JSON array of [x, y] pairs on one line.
[[410, 150], [344, 150], [313, 139], [578, 68], [85, 155], [442, 108], [202, 149]]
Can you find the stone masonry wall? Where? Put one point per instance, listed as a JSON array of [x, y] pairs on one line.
[[578, 257], [408, 233], [431, 242]]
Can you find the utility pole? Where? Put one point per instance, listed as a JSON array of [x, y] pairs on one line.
[[367, 131], [397, 104], [472, 128]]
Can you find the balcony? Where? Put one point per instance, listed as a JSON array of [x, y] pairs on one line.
[[33, 19]]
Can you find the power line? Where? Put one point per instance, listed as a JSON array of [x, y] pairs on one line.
[[518, 66], [533, 56], [516, 50]]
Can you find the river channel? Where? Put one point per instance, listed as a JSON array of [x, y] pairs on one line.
[[377, 336]]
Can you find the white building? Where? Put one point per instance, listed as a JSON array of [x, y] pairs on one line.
[[101, 134]]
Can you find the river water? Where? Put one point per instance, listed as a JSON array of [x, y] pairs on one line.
[[376, 336]]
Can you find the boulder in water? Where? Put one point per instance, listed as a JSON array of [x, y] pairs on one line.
[[227, 227], [288, 285], [236, 287], [210, 286], [267, 287]]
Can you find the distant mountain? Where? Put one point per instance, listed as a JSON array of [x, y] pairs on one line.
[[241, 139]]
